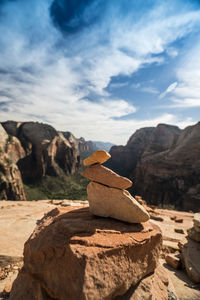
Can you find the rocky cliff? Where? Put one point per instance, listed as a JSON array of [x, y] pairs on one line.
[[164, 164], [47, 151], [11, 186]]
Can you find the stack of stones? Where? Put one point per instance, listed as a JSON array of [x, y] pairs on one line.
[[107, 194], [194, 232]]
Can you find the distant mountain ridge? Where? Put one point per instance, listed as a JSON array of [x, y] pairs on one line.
[[164, 164], [86, 148]]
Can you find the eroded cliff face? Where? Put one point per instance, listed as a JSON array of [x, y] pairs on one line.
[[164, 164], [11, 186], [47, 151]]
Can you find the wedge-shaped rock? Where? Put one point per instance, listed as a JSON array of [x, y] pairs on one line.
[[106, 176], [98, 157], [111, 202]]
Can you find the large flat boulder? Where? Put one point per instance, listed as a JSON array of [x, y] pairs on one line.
[[106, 176], [73, 254], [111, 202]]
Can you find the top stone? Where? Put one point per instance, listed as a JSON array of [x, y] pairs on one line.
[[98, 157]]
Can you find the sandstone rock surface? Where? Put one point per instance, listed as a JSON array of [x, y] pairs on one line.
[[75, 255], [165, 164], [193, 234], [115, 203], [98, 157], [47, 151], [173, 260], [191, 254], [152, 287], [103, 175], [196, 222], [11, 186]]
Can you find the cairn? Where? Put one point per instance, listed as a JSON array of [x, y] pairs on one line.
[[107, 194]]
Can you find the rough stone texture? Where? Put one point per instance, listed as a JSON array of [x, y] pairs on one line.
[[197, 227], [152, 287], [196, 221], [115, 203], [164, 163], [193, 234], [106, 176], [191, 254], [24, 216], [98, 157], [11, 186], [173, 260], [48, 152], [75, 255]]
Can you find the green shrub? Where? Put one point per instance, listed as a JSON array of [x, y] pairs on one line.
[[71, 187]]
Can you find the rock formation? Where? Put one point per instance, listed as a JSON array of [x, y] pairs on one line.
[[194, 232], [164, 163], [48, 152], [73, 254], [106, 194], [11, 186], [191, 251], [106, 176]]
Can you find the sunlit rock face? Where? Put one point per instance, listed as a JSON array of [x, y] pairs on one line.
[[47, 151], [11, 186], [163, 163]]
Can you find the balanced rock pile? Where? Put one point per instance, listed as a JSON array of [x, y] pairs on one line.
[[107, 194], [74, 255]]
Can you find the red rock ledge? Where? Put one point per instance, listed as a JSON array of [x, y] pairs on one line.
[[73, 254]]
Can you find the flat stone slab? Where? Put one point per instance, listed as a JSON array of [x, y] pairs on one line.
[[98, 157], [103, 175], [73, 254], [111, 202]]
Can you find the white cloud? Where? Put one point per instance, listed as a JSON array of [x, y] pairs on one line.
[[51, 85], [170, 89], [188, 102], [187, 93]]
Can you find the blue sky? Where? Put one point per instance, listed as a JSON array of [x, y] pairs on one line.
[[100, 68]]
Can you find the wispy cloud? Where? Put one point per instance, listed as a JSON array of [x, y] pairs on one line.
[[187, 93], [170, 89], [151, 90]]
